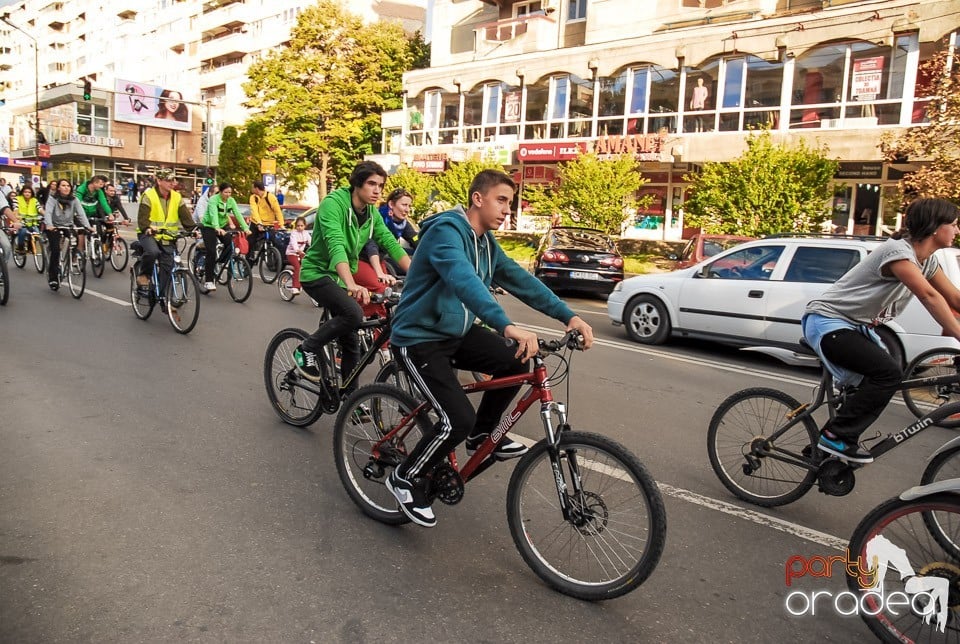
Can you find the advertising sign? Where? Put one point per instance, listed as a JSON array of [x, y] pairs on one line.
[[535, 152], [152, 105], [867, 77]]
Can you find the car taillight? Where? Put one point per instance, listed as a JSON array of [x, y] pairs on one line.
[[615, 262], [555, 256]]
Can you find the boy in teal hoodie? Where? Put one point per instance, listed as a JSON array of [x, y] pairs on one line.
[[446, 290]]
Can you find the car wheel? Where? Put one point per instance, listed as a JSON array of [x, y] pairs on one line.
[[893, 345], [646, 320]]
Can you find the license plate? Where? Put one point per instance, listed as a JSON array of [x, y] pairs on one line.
[[579, 275]]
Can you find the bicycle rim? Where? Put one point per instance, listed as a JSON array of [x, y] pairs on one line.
[[613, 538], [745, 419], [902, 531], [183, 305], [119, 254], [76, 274], [142, 306], [96, 259], [39, 257], [270, 264], [295, 405], [284, 284], [922, 400], [20, 259], [239, 283]]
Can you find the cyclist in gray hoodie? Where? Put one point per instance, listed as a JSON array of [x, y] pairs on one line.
[[63, 210]]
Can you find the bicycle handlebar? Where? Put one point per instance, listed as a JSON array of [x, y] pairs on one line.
[[571, 340]]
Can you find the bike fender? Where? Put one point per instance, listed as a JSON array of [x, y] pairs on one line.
[[952, 444], [919, 491]]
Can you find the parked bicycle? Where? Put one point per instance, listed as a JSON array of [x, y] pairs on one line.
[[762, 442], [73, 269], [178, 298], [300, 402], [267, 257], [909, 547], [582, 510], [232, 269], [34, 246]]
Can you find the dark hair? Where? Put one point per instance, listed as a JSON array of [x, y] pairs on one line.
[[223, 186], [365, 170], [298, 220], [258, 184], [924, 216], [182, 113], [99, 177], [397, 193], [30, 188], [62, 181], [487, 179]]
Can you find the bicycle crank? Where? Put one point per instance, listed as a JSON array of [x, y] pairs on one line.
[[836, 478]]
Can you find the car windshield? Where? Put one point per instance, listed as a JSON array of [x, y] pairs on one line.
[[585, 239]]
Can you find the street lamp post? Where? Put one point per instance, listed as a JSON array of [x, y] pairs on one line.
[[36, 85]]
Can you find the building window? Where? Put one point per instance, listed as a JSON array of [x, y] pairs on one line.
[[93, 120], [526, 8], [142, 135], [613, 91], [173, 139], [576, 10]]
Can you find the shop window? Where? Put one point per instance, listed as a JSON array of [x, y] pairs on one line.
[[701, 97], [664, 99], [613, 92]]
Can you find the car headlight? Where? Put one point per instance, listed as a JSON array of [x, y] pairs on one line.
[[618, 287]]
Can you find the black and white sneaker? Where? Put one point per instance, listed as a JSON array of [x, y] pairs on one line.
[[307, 364], [508, 448], [412, 500]]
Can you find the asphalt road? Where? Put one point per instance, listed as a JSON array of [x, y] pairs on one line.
[[148, 493]]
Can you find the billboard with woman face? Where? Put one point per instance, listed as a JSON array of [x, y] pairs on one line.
[[153, 105]]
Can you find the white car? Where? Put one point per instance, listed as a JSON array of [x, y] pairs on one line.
[[755, 293]]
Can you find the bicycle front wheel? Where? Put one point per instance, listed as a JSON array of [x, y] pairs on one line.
[[183, 303], [76, 273], [392, 374], [39, 256], [97, 264], [614, 534], [239, 282], [365, 418], [119, 253], [922, 400], [284, 284], [142, 304], [294, 404], [920, 568], [270, 264], [739, 446]]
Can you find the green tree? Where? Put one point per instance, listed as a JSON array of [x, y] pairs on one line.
[[452, 186], [418, 184], [771, 188], [937, 144], [239, 160], [594, 192], [320, 98]]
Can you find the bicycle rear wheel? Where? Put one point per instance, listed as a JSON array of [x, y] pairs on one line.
[[76, 273], [365, 417], [270, 264], [284, 284], [294, 404], [615, 534], [739, 447], [239, 281], [142, 304], [4, 280], [183, 304], [119, 253], [922, 400], [97, 264], [896, 531], [39, 256]]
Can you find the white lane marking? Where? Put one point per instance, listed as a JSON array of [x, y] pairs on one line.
[[107, 298], [764, 520]]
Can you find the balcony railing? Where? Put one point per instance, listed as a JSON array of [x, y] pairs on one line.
[[534, 32]]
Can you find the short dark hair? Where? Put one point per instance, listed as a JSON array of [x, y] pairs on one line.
[[363, 171], [223, 186], [99, 177], [258, 184], [924, 216], [487, 179], [397, 193]]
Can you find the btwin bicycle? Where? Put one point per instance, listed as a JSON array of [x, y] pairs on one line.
[[178, 298], [232, 270], [582, 510], [762, 442], [34, 247]]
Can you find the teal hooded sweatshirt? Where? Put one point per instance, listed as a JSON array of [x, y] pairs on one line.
[[448, 285]]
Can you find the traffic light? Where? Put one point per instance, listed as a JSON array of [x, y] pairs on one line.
[[87, 90]]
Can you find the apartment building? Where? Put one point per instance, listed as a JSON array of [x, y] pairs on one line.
[[141, 58], [676, 83]]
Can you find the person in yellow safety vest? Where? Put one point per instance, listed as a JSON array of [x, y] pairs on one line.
[[29, 210], [264, 212], [162, 212]]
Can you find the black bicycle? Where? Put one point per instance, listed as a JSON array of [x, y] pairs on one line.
[[267, 257], [72, 268], [762, 442], [178, 298], [232, 268]]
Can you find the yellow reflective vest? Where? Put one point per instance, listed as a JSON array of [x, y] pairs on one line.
[[165, 225]]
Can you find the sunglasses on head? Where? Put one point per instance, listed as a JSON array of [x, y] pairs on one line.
[[399, 192]]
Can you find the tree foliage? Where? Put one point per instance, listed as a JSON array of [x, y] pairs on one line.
[[594, 192], [771, 188], [418, 184], [937, 143], [239, 159], [320, 98], [452, 187]]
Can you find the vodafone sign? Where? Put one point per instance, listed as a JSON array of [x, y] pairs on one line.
[[537, 152]]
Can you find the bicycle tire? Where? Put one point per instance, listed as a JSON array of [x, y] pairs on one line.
[[295, 406], [97, 265], [942, 467], [903, 524], [239, 282], [922, 400], [284, 284], [613, 542], [270, 264], [39, 254], [142, 305], [119, 253], [19, 259], [365, 417], [183, 304], [745, 417], [76, 273], [4, 281]]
